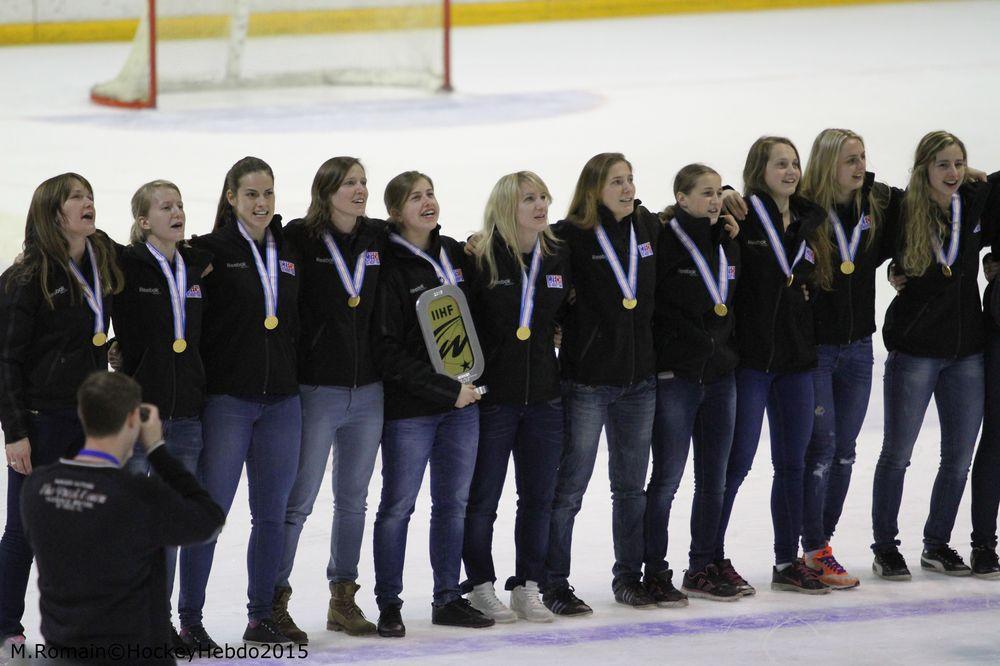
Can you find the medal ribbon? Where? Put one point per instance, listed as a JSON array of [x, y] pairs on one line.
[[352, 287], [269, 273], [93, 295], [956, 233], [444, 270], [718, 290], [847, 250], [772, 234], [176, 285], [626, 284], [528, 287], [93, 453]]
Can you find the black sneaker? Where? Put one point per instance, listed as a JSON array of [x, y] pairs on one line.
[[196, 639], [631, 592], [265, 632], [889, 564], [460, 613], [177, 643], [797, 577], [709, 584], [944, 559], [661, 588], [731, 576], [984, 563], [562, 601], [390, 623]]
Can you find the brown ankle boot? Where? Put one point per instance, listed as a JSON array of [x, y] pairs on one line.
[[279, 613], [344, 615]]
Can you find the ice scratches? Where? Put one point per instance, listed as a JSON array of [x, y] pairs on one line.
[[431, 111], [772, 623]]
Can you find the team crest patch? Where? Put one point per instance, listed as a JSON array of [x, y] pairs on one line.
[[372, 259], [554, 281], [809, 256], [458, 275], [732, 272], [645, 250], [866, 222], [194, 292], [287, 267]]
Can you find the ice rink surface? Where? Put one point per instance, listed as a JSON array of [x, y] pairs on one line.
[[665, 91]]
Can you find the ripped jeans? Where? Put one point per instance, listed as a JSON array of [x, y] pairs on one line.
[[842, 382]]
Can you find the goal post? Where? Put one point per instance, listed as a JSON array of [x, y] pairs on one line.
[[189, 45]]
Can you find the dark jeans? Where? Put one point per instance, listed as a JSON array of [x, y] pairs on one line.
[[628, 414], [264, 436], [958, 389], [534, 433], [448, 442], [689, 413], [348, 421], [788, 399], [986, 468], [183, 441], [842, 382], [52, 434]]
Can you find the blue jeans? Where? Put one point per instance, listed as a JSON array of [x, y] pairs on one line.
[[448, 442], [628, 413], [534, 433], [958, 389], [183, 441], [788, 399], [689, 412], [52, 434], [266, 437], [348, 421], [986, 468], [842, 382]]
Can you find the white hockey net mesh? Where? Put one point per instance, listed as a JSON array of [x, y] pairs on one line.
[[220, 44]]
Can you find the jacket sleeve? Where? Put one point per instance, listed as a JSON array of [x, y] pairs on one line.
[[891, 200], [183, 511], [991, 213], [18, 308], [396, 362]]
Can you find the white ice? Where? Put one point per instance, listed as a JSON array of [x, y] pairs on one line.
[[665, 91]]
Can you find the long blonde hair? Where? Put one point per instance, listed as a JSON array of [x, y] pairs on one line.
[[583, 207], [142, 201], [819, 184], [923, 220], [500, 218]]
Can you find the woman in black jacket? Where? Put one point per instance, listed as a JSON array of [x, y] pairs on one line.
[[55, 306], [430, 418], [935, 336], [342, 254], [608, 363], [696, 276], [777, 347], [157, 319], [519, 284], [252, 414]]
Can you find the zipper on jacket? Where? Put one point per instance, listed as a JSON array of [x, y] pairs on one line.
[[354, 339], [267, 362], [173, 379], [774, 326], [958, 338], [850, 309], [527, 372]]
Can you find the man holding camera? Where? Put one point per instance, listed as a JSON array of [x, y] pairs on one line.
[[99, 532]]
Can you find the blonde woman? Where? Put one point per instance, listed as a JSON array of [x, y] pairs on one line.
[[935, 336], [519, 284]]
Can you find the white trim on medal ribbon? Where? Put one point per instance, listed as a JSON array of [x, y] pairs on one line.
[[956, 233], [444, 270], [353, 288], [528, 287], [94, 296], [720, 291], [628, 285], [269, 273], [176, 285], [847, 250], [776, 246]]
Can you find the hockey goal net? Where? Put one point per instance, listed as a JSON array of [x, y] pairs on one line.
[[190, 45]]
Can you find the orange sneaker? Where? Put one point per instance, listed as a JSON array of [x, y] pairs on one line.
[[829, 569]]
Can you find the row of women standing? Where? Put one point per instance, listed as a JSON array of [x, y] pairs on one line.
[[257, 332]]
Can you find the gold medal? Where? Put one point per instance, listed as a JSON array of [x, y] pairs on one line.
[[629, 303], [847, 267], [353, 301], [944, 269], [180, 344], [270, 322], [523, 332], [721, 309], [791, 279], [99, 339]]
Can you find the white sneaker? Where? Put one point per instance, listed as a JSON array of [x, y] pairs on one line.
[[484, 599], [527, 604]]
